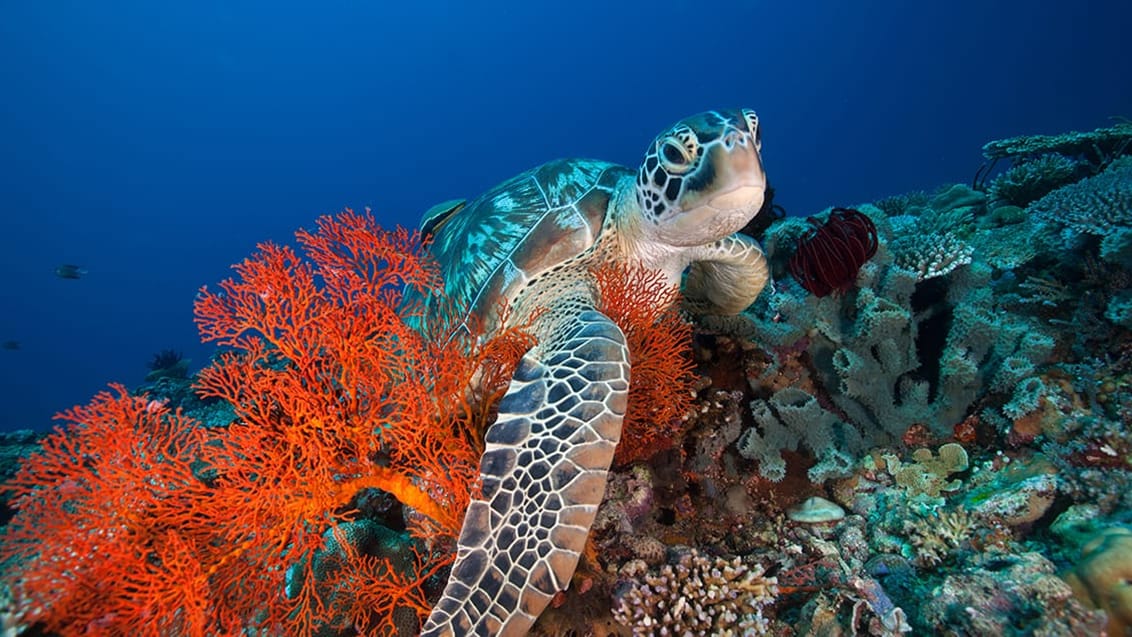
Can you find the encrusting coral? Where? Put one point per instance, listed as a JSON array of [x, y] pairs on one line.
[[1103, 577]]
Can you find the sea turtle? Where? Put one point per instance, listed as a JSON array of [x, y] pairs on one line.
[[532, 241]]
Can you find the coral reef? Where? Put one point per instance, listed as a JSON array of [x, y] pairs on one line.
[[168, 363], [1099, 205], [920, 341], [924, 452], [1028, 181]]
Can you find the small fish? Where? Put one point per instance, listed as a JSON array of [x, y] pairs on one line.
[[70, 271], [11, 346]]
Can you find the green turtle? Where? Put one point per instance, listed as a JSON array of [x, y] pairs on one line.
[[532, 241]]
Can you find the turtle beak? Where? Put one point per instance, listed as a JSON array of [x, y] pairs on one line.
[[740, 169], [740, 198]]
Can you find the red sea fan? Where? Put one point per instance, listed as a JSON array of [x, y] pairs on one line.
[[829, 256]]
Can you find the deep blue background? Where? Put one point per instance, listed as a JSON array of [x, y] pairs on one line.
[[156, 142]]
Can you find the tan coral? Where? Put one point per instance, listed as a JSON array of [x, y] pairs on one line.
[[1103, 577], [939, 534], [930, 472], [698, 595]]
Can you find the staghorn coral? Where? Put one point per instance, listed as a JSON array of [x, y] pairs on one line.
[[696, 595]]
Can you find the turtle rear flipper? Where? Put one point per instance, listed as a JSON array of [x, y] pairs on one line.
[[544, 473]]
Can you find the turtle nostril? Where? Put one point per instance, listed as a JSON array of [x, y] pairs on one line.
[[734, 137]]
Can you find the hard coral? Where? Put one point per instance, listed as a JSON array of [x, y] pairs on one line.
[[698, 595], [1096, 146], [1103, 577], [1029, 181], [1004, 594], [1098, 205]]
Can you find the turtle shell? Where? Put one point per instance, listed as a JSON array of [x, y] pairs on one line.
[[491, 247]]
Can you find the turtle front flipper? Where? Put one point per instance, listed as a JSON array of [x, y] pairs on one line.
[[544, 471], [726, 276]]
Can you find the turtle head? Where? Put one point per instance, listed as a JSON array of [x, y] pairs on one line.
[[703, 178]]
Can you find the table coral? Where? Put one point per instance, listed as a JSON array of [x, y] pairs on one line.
[[1096, 144], [1097, 205]]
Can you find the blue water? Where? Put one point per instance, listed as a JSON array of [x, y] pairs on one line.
[[155, 143]]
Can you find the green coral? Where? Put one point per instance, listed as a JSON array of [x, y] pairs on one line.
[[1097, 205], [790, 418], [1028, 181], [1099, 145]]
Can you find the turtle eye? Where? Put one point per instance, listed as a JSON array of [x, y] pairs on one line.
[[675, 156]]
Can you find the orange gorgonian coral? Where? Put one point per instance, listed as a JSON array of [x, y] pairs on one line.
[[661, 386], [134, 519]]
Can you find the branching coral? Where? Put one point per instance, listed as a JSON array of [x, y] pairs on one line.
[[933, 239], [662, 385], [1029, 181], [698, 596], [135, 520]]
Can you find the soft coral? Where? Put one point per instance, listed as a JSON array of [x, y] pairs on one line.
[[99, 532], [137, 520]]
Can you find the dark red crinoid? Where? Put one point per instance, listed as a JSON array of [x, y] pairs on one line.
[[829, 256]]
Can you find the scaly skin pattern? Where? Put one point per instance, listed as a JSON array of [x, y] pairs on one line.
[[531, 242]]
